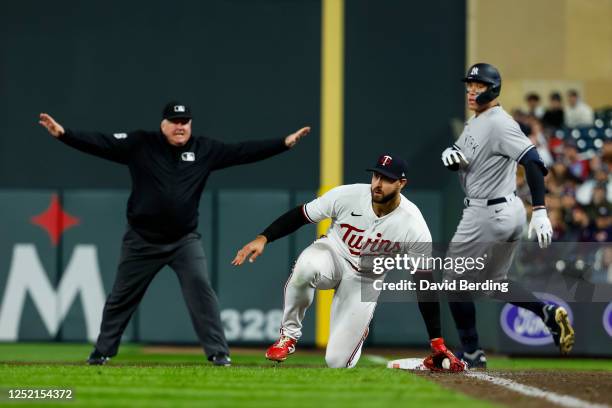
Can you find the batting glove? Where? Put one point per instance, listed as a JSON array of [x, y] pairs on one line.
[[452, 156], [540, 225]]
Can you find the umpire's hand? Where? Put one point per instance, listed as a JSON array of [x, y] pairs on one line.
[[253, 248], [295, 137], [51, 125]]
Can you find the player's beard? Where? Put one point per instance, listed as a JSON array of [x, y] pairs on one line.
[[384, 199]]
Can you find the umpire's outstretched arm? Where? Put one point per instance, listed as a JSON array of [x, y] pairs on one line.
[[107, 146], [231, 154]]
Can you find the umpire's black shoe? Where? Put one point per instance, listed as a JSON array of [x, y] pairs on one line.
[[476, 359], [557, 321], [221, 360], [97, 358]]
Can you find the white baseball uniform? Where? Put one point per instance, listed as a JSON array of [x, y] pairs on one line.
[[333, 262]]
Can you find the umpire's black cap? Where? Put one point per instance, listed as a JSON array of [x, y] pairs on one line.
[[391, 166], [176, 110]]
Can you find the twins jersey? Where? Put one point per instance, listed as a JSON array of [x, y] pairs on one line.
[[357, 230], [492, 143]]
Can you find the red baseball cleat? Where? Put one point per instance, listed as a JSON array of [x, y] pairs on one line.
[[281, 349], [436, 360]]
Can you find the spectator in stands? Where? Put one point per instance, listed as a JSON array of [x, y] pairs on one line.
[[553, 202], [584, 193], [568, 202], [595, 164], [553, 205], [599, 205], [555, 145], [533, 105], [553, 117], [606, 156], [521, 118], [556, 179], [539, 140], [556, 220], [578, 230], [577, 168], [601, 229], [577, 113]]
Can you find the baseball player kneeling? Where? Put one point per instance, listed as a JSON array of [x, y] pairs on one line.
[[363, 218]]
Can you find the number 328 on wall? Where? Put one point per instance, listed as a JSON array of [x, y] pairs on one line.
[[251, 324]]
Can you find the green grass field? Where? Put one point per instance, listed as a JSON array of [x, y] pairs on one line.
[[140, 378]]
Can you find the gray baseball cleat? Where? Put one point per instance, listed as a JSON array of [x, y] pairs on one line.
[[475, 359]]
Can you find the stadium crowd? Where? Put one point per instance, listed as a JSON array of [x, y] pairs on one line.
[[576, 146]]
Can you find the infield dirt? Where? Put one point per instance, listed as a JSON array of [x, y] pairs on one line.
[[590, 386]]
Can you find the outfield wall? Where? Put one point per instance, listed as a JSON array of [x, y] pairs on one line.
[[53, 286], [59, 250]]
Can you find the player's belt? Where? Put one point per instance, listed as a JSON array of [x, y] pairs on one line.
[[483, 202]]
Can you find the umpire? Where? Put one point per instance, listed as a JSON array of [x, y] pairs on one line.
[[169, 169]]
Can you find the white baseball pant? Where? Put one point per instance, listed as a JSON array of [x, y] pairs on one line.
[[319, 267]]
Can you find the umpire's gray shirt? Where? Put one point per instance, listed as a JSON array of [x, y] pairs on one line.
[[492, 143]]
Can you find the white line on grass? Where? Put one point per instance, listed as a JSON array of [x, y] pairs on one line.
[[563, 400], [376, 359]]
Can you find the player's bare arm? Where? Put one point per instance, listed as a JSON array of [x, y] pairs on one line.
[[295, 137], [47, 121], [251, 250]]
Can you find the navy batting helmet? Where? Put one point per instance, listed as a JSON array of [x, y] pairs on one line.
[[486, 74]]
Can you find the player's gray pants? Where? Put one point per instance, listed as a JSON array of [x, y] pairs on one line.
[[318, 267], [139, 263], [495, 230]]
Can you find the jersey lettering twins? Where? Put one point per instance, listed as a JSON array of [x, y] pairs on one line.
[[356, 230], [493, 144]]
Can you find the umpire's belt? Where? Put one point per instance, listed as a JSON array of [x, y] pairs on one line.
[[484, 202]]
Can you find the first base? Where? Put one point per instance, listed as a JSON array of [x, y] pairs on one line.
[[407, 364]]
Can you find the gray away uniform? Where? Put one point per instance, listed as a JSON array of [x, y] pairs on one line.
[[493, 144]]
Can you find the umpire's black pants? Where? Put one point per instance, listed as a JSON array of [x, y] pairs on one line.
[[139, 263]]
